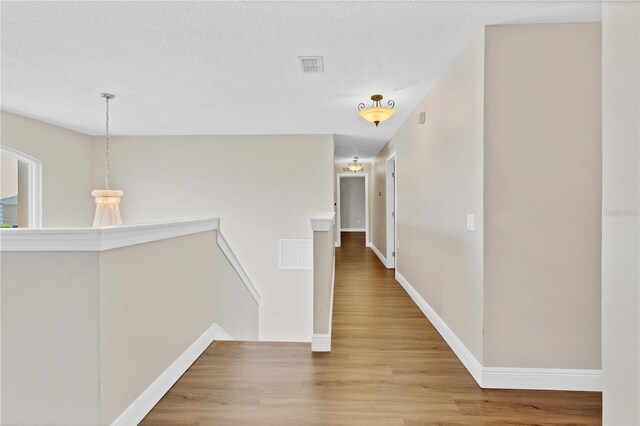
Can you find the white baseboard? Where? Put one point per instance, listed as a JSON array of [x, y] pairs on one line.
[[352, 230], [465, 355], [321, 343], [141, 406], [506, 378], [380, 256], [219, 333], [542, 378], [230, 255], [337, 244]]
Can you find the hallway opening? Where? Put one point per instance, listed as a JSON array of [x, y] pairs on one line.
[[352, 204]]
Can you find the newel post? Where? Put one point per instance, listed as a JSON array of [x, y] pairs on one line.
[[323, 279]]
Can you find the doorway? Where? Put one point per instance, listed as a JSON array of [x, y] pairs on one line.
[[391, 210], [352, 215], [21, 192]]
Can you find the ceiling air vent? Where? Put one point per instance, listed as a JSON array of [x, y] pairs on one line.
[[311, 64]]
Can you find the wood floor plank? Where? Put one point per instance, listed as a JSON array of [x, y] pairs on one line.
[[388, 366]]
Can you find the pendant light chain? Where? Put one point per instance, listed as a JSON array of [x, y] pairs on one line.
[[106, 179], [107, 200]]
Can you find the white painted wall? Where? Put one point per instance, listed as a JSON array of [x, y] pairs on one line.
[[84, 333], [352, 203], [512, 135], [620, 222], [264, 188], [156, 299], [67, 168], [439, 181], [50, 338], [542, 195]]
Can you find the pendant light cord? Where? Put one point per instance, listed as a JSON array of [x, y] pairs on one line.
[[106, 179]]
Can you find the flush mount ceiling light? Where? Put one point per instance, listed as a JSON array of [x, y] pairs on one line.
[[355, 166], [377, 113], [107, 200]]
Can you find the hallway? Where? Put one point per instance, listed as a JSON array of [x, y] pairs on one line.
[[388, 366]]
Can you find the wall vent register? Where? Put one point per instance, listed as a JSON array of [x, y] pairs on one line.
[[311, 64], [296, 254]]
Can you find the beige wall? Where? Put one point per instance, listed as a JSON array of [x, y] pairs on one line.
[[50, 338], [67, 168], [263, 187], [154, 303], [439, 181], [512, 135], [620, 227], [9, 181], [542, 199], [109, 323]]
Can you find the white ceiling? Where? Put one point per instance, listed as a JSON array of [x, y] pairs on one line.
[[231, 67]]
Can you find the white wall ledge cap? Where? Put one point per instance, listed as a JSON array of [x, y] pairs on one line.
[[323, 221], [101, 238]]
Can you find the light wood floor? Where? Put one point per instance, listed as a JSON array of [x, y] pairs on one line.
[[388, 366]]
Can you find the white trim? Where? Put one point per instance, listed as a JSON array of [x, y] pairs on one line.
[[231, 257], [391, 222], [141, 406], [501, 377], [35, 184], [219, 333], [333, 281], [366, 206], [102, 238], [108, 238], [542, 378], [380, 256], [321, 343], [470, 362], [337, 244], [323, 221]]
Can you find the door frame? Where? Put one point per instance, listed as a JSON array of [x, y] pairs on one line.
[[366, 205], [391, 185], [34, 199]]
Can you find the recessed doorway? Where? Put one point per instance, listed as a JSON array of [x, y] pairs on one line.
[[352, 213]]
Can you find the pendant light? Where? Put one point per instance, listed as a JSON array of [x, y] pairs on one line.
[[107, 200], [377, 113], [355, 166]]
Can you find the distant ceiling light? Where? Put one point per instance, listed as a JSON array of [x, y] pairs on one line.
[[355, 166], [377, 113], [107, 200], [311, 64]]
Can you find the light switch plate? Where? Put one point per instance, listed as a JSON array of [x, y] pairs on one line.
[[471, 222]]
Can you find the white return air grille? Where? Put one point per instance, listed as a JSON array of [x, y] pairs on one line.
[[296, 254], [311, 64]]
